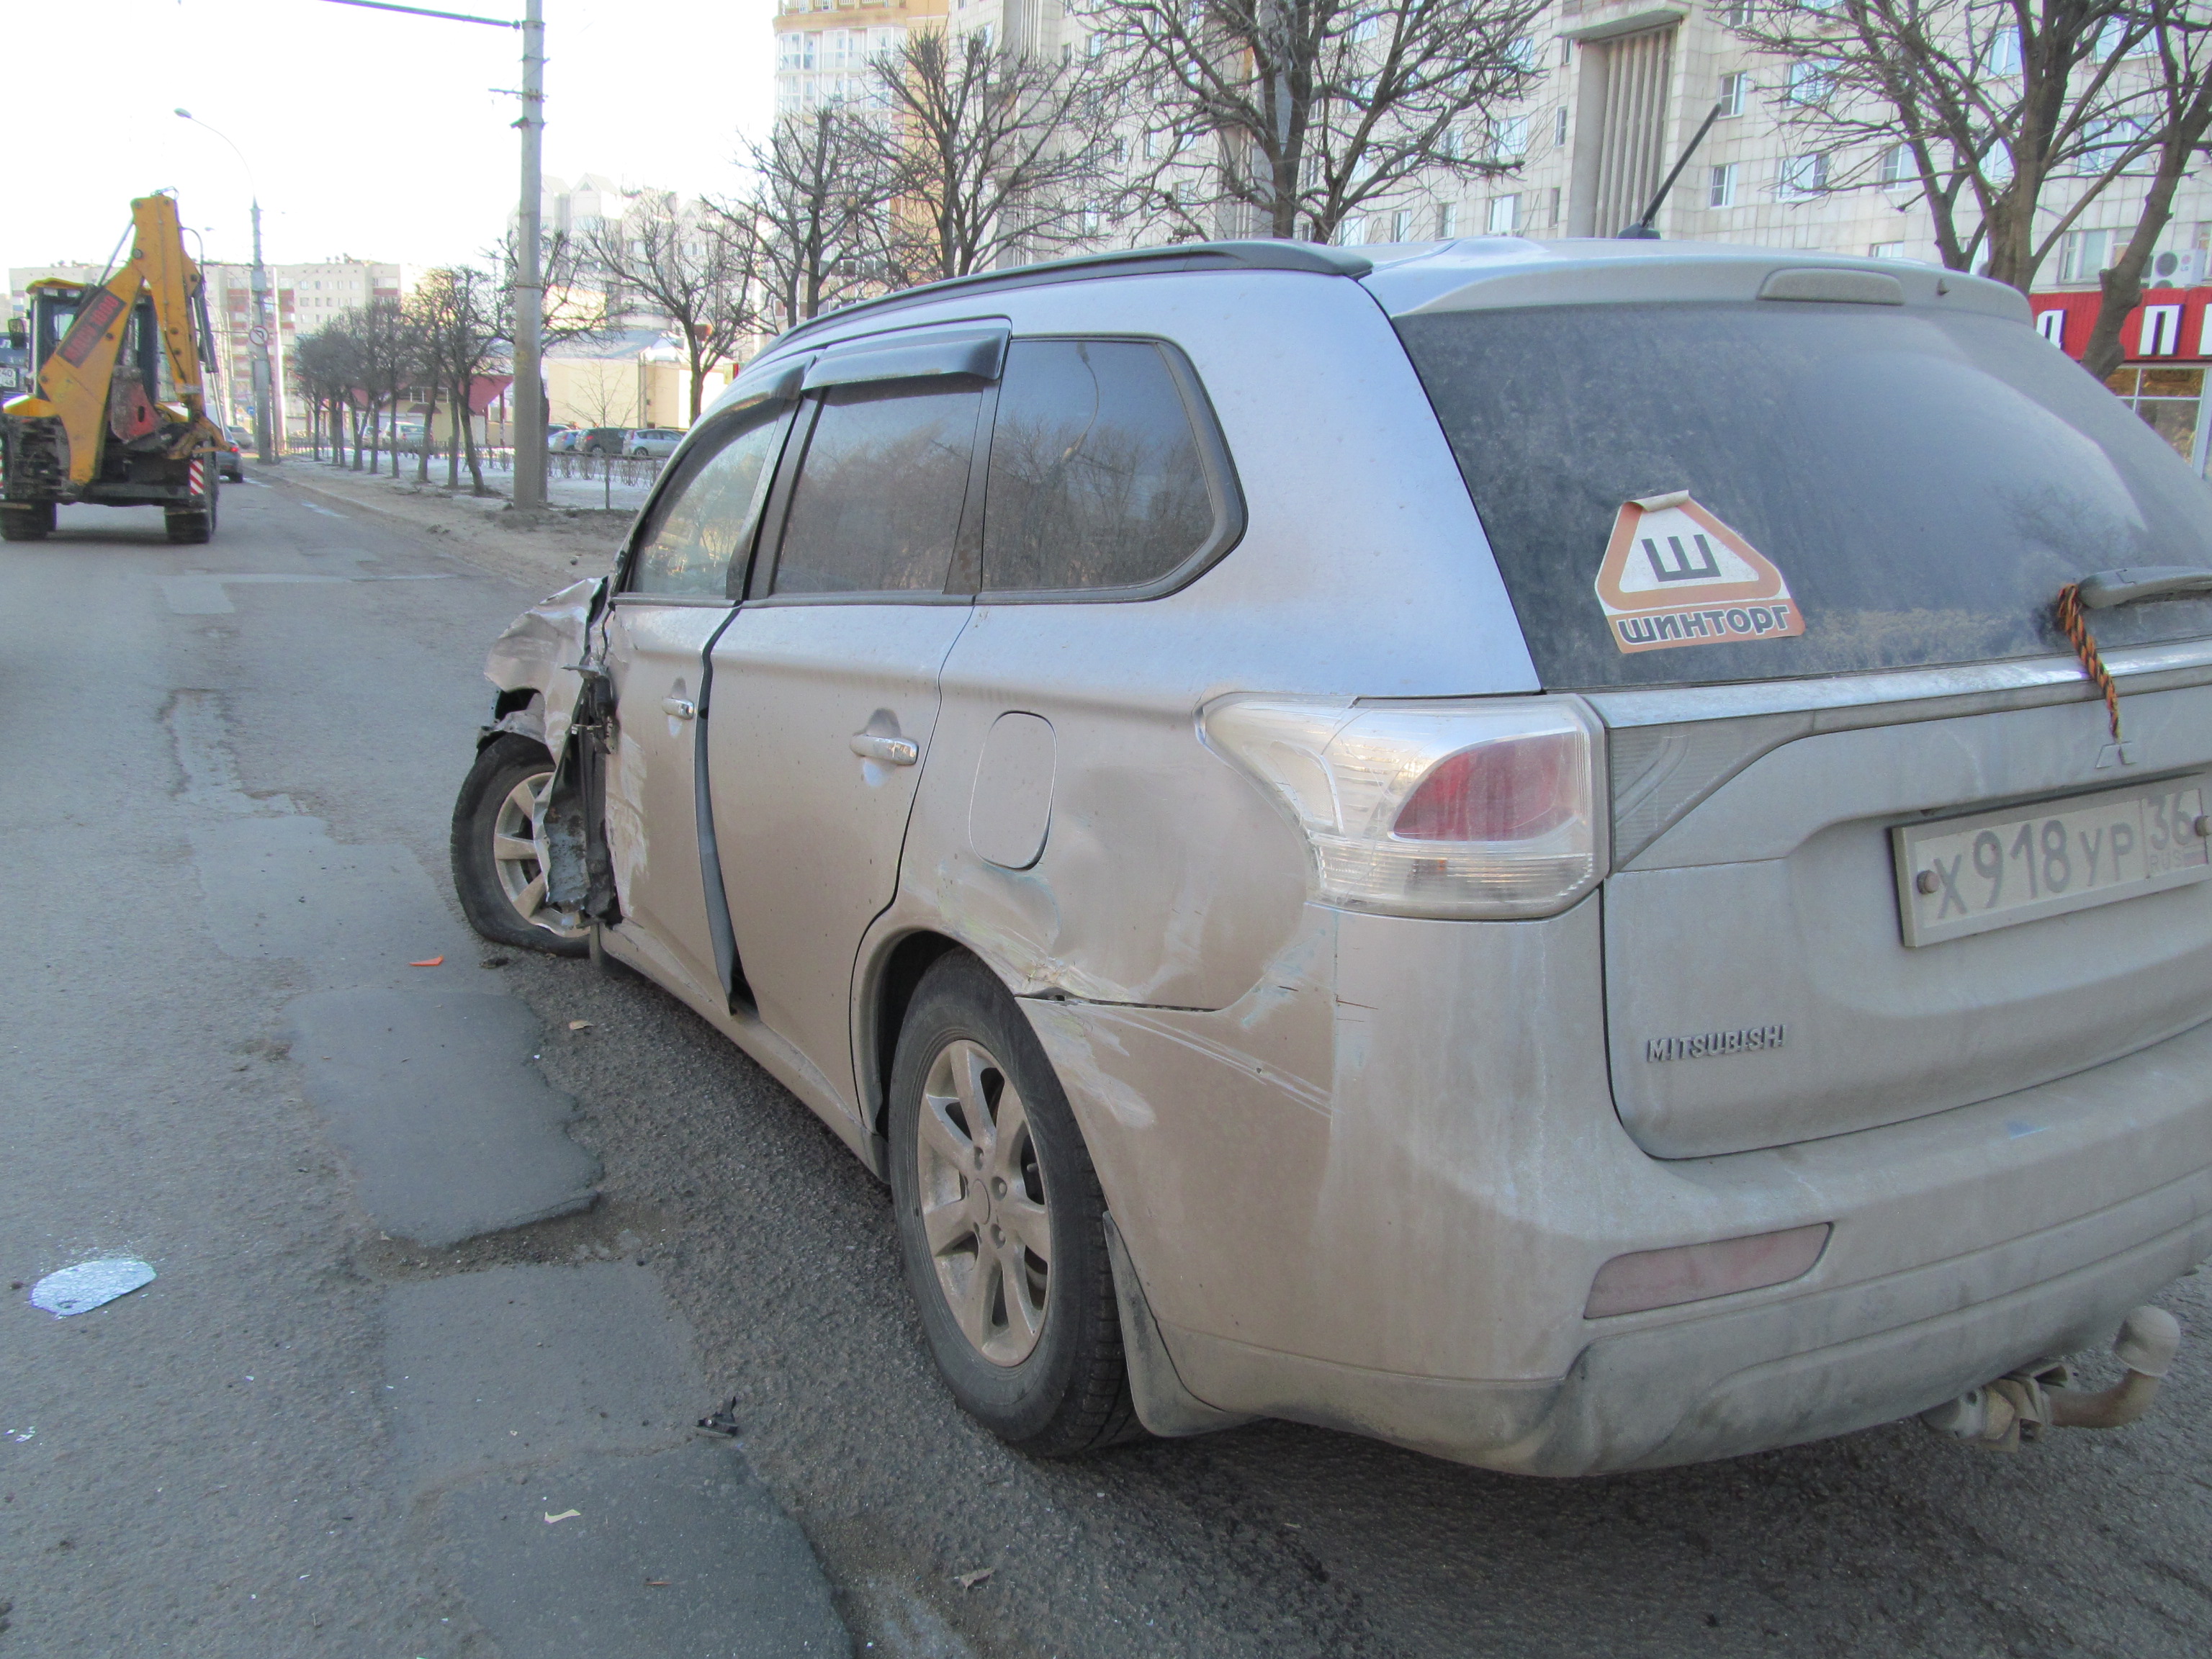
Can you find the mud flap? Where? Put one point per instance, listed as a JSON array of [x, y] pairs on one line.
[[1164, 1405]]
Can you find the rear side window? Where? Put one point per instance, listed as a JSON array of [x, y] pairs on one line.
[[1097, 476], [700, 523], [1923, 483], [876, 507]]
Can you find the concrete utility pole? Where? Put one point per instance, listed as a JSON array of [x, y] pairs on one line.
[[267, 433], [526, 401], [268, 410]]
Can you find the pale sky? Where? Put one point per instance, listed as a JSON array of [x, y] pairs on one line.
[[370, 134]]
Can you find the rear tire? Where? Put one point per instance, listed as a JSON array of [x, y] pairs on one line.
[[194, 525], [499, 873], [1029, 1341], [26, 522]]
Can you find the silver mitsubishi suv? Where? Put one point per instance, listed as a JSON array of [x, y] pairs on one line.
[[1579, 856]]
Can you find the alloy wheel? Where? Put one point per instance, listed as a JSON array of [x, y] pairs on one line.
[[518, 851], [984, 1207]]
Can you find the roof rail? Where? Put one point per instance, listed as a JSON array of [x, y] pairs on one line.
[[1314, 256]]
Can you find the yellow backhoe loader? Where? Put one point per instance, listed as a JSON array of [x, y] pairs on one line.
[[116, 412]]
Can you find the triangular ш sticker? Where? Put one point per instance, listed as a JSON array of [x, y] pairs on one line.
[[1674, 574]]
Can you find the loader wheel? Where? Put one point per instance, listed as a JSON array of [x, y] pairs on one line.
[[193, 524], [26, 522]]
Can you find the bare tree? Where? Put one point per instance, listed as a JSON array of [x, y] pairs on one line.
[[690, 266], [571, 307], [426, 307], [2179, 112], [1984, 105], [998, 154], [330, 362], [387, 357], [820, 211], [465, 331], [323, 367], [1293, 115]]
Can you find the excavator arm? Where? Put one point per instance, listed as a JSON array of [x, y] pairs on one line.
[[74, 383], [174, 281]]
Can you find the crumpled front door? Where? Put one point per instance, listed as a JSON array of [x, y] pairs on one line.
[[655, 656]]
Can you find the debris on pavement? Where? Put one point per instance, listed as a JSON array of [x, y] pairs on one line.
[[580, 1025], [723, 1420], [89, 1285], [565, 1515], [434, 962], [968, 1581]]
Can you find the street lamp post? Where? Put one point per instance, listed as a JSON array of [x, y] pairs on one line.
[[268, 412], [527, 404]]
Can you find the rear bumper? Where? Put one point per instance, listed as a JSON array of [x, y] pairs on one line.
[[1864, 1354], [1751, 1379], [1405, 1248]]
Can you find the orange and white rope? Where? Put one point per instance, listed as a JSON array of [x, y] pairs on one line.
[[2076, 626]]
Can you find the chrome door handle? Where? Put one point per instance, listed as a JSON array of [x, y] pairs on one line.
[[682, 707], [892, 751]]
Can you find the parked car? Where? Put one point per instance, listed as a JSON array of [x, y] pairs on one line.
[[229, 462], [651, 441], [563, 440], [604, 440], [1538, 877]]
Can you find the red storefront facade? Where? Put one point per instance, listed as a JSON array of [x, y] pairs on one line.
[[2168, 352]]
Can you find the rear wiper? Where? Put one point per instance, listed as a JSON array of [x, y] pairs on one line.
[[2101, 592], [2143, 581]]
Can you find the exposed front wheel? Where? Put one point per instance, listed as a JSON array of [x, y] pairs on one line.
[[26, 522], [1001, 1221], [499, 850]]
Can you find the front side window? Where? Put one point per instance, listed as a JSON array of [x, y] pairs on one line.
[[701, 522], [876, 506], [1097, 478]]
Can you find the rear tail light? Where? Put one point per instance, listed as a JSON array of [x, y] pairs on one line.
[[1691, 1272], [1483, 808]]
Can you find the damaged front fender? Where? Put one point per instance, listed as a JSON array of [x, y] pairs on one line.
[[542, 651], [545, 656]]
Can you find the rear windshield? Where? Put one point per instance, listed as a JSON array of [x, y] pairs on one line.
[[1822, 488]]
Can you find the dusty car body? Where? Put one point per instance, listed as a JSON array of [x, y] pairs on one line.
[[1705, 1127]]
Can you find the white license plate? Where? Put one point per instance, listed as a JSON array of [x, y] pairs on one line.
[[1960, 876]]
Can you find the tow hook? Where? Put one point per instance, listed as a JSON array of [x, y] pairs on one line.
[[2018, 1406]]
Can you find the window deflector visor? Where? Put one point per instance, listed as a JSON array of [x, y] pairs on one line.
[[973, 353]]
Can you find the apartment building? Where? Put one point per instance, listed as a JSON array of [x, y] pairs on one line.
[[822, 46], [305, 297]]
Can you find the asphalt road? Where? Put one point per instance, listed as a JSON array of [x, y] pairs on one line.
[[225, 809]]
